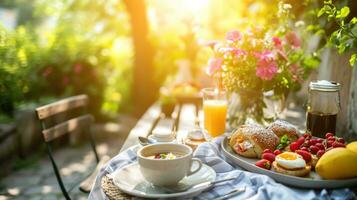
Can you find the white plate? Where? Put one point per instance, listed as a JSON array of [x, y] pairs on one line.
[[312, 181], [129, 180]]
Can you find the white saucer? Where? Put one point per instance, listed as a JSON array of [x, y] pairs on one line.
[[129, 180]]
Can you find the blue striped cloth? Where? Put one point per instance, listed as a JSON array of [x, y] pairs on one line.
[[257, 186]]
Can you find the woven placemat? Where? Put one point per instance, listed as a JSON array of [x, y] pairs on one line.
[[112, 191]]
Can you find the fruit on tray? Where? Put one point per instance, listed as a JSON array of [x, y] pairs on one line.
[[337, 163], [306, 155], [263, 163], [352, 146], [269, 156], [317, 146], [291, 163]]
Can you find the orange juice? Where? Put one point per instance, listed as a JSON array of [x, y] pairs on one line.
[[215, 116]]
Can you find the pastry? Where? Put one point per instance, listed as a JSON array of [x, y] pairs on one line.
[[250, 141], [281, 128]]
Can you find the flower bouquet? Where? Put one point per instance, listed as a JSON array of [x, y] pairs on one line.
[[256, 61]]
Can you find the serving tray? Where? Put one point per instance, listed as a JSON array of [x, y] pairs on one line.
[[313, 181]]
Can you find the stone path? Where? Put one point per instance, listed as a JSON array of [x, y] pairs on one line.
[[38, 182]]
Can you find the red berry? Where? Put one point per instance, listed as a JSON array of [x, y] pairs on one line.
[[265, 164], [306, 155], [320, 153], [269, 156], [331, 138], [320, 146], [300, 141], [312, 142], [267, 151], [338, 144], [319, 140], [314, 149], [329, 143], [305, 149], [294, 146], [307, 135], [329, 135], [341, 140], [277, 152]]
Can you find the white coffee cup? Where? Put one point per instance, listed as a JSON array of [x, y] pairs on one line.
[[164, 172]]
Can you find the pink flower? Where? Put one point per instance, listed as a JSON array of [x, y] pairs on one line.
[[232, 50], [77, 68], [233, 36], [214, 64], [293, 39], [266, 55], [277, 42], [211, 44], [266, 66]]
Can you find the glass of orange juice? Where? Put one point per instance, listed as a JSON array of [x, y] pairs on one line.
[[214, 111]]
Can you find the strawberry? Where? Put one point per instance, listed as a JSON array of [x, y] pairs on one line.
[[329, 135], [338, 144], [265, 164], [277, 152], [306, 155], [307, 135], [267, 151], [314, 149], [320, 153], [294, 146], [269, 156], [301, 140]]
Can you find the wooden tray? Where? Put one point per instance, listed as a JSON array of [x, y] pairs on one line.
[[313, 181]]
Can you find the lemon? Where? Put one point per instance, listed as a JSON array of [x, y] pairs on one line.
[[352, 146], [337, 163]]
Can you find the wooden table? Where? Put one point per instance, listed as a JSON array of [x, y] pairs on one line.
[[183, 119]]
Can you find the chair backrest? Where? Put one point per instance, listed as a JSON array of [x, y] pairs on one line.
[[73, 125]]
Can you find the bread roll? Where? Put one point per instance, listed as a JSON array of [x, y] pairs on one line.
[[281, 128], [250, 141]]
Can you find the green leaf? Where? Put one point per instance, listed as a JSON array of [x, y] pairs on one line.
[[321, 12], [353, 59], [284, 139], [343, 13], [320, 32], [353, 20]]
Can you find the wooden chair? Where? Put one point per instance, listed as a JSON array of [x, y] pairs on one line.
[[74, 125]]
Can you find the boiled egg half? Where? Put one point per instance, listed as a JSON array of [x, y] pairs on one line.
[[290, 160]]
